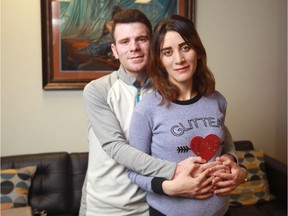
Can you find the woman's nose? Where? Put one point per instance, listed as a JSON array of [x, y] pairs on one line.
[[179, 57]]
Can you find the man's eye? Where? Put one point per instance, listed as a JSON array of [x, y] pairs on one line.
[[124, 42], [143, 39]]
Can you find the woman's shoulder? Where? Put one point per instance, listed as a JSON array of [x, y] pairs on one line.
[[150, 98], [149, 101], [216, 95]]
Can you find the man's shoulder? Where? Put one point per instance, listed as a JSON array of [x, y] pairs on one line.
[[101, 84]]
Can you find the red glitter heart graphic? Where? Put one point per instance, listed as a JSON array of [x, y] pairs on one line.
[[205, 147]]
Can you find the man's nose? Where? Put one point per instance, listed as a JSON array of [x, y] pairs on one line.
[[134, 45]]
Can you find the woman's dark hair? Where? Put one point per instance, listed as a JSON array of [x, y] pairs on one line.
[[131, 16], [203, 79]]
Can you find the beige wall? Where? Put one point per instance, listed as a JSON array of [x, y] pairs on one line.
[[246, 42]]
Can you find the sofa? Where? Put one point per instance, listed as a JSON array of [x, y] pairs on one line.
[[277, 179], [56, 186], [57, 183]]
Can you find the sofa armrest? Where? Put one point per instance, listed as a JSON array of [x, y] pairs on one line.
[[277, 177]]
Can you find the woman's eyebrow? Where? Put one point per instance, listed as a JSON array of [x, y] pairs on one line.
[[165, 48]]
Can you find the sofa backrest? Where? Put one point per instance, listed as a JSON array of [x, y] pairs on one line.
[[243, 145], [57, 184]]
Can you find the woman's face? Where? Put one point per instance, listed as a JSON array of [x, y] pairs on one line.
[[178, 58]]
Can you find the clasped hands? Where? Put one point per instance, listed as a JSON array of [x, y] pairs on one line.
[[195, 178]]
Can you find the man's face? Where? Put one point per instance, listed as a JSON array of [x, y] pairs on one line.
[[131, 46]]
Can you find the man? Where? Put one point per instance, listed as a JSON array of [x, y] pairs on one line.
[[110, 101]]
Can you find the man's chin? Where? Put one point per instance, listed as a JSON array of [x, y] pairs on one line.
[[137, 68], [136, 71]]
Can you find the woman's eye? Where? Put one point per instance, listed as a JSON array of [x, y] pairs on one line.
[[185, 48], [167, 52]]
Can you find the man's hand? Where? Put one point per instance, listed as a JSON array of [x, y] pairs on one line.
[[188, 165], [225, 182], [192, 179], [185, 185]]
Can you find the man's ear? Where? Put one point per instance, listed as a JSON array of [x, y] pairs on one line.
[[114, 50]]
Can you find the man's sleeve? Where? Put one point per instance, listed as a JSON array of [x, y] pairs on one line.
[[107, 129]]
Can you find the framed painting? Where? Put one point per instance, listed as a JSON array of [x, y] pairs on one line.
[[76, 39]]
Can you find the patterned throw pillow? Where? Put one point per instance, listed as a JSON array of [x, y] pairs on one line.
[[256, 189], [15, 184]]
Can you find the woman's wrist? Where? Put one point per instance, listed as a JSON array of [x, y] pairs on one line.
[[157, 185], [167, 187], [245, 174]]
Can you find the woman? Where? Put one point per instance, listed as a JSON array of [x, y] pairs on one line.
[[183, 118]]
